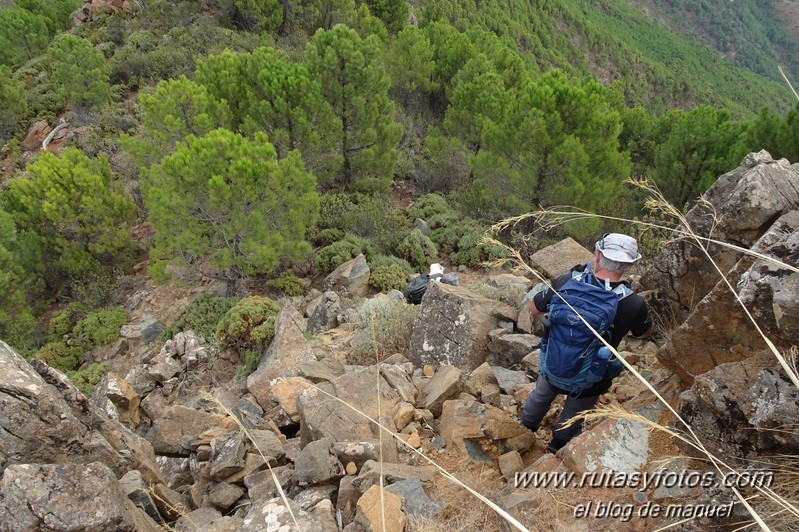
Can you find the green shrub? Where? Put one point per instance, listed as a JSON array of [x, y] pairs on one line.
[[472, 253], [249, 325], [335, 210], [288, 284], [64, 320], [418, 250], [251, 359], [375, 219], [448, 235], [331, 257], [86, 378], [388, 277], [325, 237], [386, 260], [427, 206], [100, 327], [200, 316], [59, 355], [384, 328]]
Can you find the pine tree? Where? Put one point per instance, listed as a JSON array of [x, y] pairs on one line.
[[74, 205], [278, 97], [410, 62], [80, 72], [355, 83], [172, 111], [23, 35], [231, 200], [19, 279], [558, 144], [12, 101]]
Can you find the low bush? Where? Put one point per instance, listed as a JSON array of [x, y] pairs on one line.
[[384, 329], [418, 250], [249, 325], [473, 253], [100, 327], [86, 378], [288, 284], [63, 321], [427, 206], [200, 316], [386, 260], [334, 211], [331, 257], [388, 277], [328, 236], [59, 355]]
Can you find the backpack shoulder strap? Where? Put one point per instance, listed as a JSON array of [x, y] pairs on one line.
[[623, 291]]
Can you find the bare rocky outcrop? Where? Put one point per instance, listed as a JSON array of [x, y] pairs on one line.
[[453, 325], [718, 330], [92, 8], [45, 419], [62, 497], [740, 208]]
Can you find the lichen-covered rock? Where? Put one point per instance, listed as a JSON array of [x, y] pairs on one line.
[[117, 398], [357, 397], [719, 331], [45, 419], [741, 206], [737, 405], [172, 433], [324, 314], [274, 515], [63, 497], [288, 351], [317, 463], [464, 419], [452, 327]]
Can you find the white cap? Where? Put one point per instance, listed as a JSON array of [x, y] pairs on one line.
[[619, 248], [436, 268]]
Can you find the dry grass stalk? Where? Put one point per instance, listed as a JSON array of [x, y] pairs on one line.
[[379, 411], [208, 397], [505, 515]]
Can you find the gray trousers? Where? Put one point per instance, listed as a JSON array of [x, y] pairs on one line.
[[537, 405]]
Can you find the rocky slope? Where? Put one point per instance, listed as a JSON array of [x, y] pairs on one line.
[[309, 441]]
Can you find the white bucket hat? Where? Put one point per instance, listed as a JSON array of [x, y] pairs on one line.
[[619, 248], [436, 268]]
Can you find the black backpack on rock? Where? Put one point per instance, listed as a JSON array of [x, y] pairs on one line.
[[417, 287]]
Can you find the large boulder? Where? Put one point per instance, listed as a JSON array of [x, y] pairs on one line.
[[342, 415], [739, 208], [288, 351], [743, 408], [557, 259], [350, 279], [453, 325], [45, 419], [62, 497], [719, 331]]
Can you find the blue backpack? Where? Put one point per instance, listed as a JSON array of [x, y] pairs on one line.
[[569, 352]]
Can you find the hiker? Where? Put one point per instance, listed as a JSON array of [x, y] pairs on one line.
[[615, 254]]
